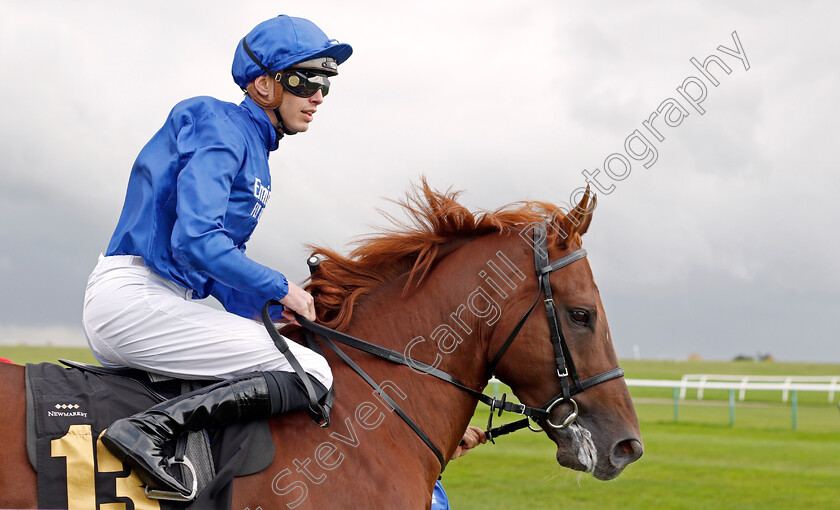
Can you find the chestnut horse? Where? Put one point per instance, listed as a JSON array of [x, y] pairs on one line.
[[448, 290]]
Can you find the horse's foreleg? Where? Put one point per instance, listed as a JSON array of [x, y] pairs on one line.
[[17, 478]]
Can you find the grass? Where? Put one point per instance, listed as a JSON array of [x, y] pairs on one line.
[[699, 463], [22, 354], [759, 463]]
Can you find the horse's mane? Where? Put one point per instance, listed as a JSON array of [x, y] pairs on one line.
[[435, 218]]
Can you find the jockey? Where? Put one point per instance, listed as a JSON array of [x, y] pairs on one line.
[[195, 195]]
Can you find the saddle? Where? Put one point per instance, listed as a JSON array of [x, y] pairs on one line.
[[67, 409]]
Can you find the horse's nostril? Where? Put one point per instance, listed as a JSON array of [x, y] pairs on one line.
[[626, 451]]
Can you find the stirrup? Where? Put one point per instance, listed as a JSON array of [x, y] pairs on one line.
[[175, 495]]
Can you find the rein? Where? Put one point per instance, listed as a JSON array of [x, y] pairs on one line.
[[565, 367]]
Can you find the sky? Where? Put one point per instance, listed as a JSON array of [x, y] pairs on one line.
[[722, 244]]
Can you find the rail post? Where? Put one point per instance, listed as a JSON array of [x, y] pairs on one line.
[[786, 389], [702, 383], [743, 394], [793, 408], [731, 407], [676, 405]]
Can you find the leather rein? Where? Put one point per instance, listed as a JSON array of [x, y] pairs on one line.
[[570, 383]]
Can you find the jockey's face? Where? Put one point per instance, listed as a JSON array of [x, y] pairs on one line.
[[298, 112]]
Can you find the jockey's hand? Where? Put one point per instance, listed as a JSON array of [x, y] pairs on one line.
[[473, 437], [300, 301]]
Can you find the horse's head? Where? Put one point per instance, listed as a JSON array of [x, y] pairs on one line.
[[605, 436]]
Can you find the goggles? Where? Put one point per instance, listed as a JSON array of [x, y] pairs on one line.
[[304, 83]]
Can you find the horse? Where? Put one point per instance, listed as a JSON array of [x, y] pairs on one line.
[[447, 287]]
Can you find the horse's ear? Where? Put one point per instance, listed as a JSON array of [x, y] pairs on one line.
[[583, 211], [579, 218]]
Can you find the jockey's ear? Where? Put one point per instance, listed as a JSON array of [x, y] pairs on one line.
[[266, 91], [261, 88], [579, 218]]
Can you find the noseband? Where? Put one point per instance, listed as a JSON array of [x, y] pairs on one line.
[[570, 383]]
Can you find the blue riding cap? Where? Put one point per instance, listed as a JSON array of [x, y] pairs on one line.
[[281, 42]]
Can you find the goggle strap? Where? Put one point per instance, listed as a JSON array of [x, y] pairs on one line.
[[268, 71]]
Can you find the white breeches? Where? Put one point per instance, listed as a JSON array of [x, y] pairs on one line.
[[135, 318]]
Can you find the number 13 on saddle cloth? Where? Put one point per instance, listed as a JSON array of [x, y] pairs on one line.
[[67, 411]]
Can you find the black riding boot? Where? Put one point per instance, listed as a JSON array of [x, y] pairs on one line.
[[141, 439]]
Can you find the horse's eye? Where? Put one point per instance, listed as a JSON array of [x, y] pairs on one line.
[[580, 316]]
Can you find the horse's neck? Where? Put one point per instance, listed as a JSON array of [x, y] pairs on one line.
[[435, 323], [432, 322]]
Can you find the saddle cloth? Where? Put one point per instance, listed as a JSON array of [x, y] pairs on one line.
[[69, 408]]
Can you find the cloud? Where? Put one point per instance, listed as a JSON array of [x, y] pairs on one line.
[[729, 232]]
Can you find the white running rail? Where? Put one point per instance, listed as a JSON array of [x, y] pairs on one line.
[[742, 383], [702, 381]]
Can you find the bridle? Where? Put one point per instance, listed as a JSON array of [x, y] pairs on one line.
[[570, 383]]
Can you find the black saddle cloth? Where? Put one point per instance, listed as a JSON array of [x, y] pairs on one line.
[[67, 410]]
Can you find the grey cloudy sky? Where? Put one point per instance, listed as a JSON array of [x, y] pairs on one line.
[[725, 245]]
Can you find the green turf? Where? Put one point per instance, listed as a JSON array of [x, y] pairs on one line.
[[687, 465], [698, 463], [22, 354]]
